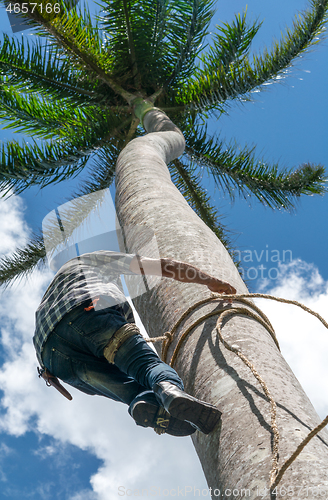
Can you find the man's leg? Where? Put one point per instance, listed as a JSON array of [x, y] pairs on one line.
[[86, 372], [128, 350], [133, 356], [71, 354]]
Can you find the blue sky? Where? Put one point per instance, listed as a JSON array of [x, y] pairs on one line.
[[86, 449]]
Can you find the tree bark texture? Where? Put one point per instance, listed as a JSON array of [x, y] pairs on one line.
[[237, 455]]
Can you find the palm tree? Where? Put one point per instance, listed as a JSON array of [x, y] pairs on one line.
[[84, 96], [237, 457], [75, 94]]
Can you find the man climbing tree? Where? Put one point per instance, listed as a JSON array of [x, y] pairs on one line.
[[91, 95], [86, 335]]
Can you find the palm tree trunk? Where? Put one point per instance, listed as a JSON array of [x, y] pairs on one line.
[[237, 456]]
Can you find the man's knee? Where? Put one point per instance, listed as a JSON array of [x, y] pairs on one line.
[[118, 339]]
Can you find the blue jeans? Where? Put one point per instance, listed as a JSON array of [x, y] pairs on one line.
[[74, 353]]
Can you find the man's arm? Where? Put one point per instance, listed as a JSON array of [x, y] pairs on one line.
[[179, 271]]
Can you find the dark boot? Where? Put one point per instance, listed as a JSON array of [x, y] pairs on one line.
[[182, 406], [147, 412]]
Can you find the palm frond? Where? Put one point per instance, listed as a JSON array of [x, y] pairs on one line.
[[149, 38], [36, 116], [78, 37], [235, 169], [75, 38], [23, 261], [38, 68], [43, 118], [200, 18], [22, 166], [216, 82], [231, 43]]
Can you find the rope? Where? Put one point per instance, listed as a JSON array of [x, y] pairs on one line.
[[298, 450], [274, 427], [167, 338]]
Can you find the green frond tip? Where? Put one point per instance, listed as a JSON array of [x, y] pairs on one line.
[[230, 72], [23, 261], [23, 165], [232, 42], [309, 179], [239, 170]]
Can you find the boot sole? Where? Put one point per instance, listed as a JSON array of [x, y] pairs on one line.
[[204, 416], [145, 415]]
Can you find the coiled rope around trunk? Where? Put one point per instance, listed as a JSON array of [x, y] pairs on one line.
[[276, 474]]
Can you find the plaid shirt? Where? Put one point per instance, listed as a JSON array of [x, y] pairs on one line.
[[80, 279]]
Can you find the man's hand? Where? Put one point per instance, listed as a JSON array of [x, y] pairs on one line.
[[219, 286], [180, 271]]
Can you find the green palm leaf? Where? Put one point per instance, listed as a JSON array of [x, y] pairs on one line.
[[22, 166], [76, 39], [235, 169], [74, 34], [23, 261], [45, 118], [37, 116], [220, 80], [231, 43], [38, 68], [157, 40], [199, 20], [75, 94]]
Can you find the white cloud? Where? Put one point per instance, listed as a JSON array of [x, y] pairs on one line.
[[13, 227], [85, 495], [303, 338]]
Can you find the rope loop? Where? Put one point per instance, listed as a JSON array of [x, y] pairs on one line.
[[167, 338]]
